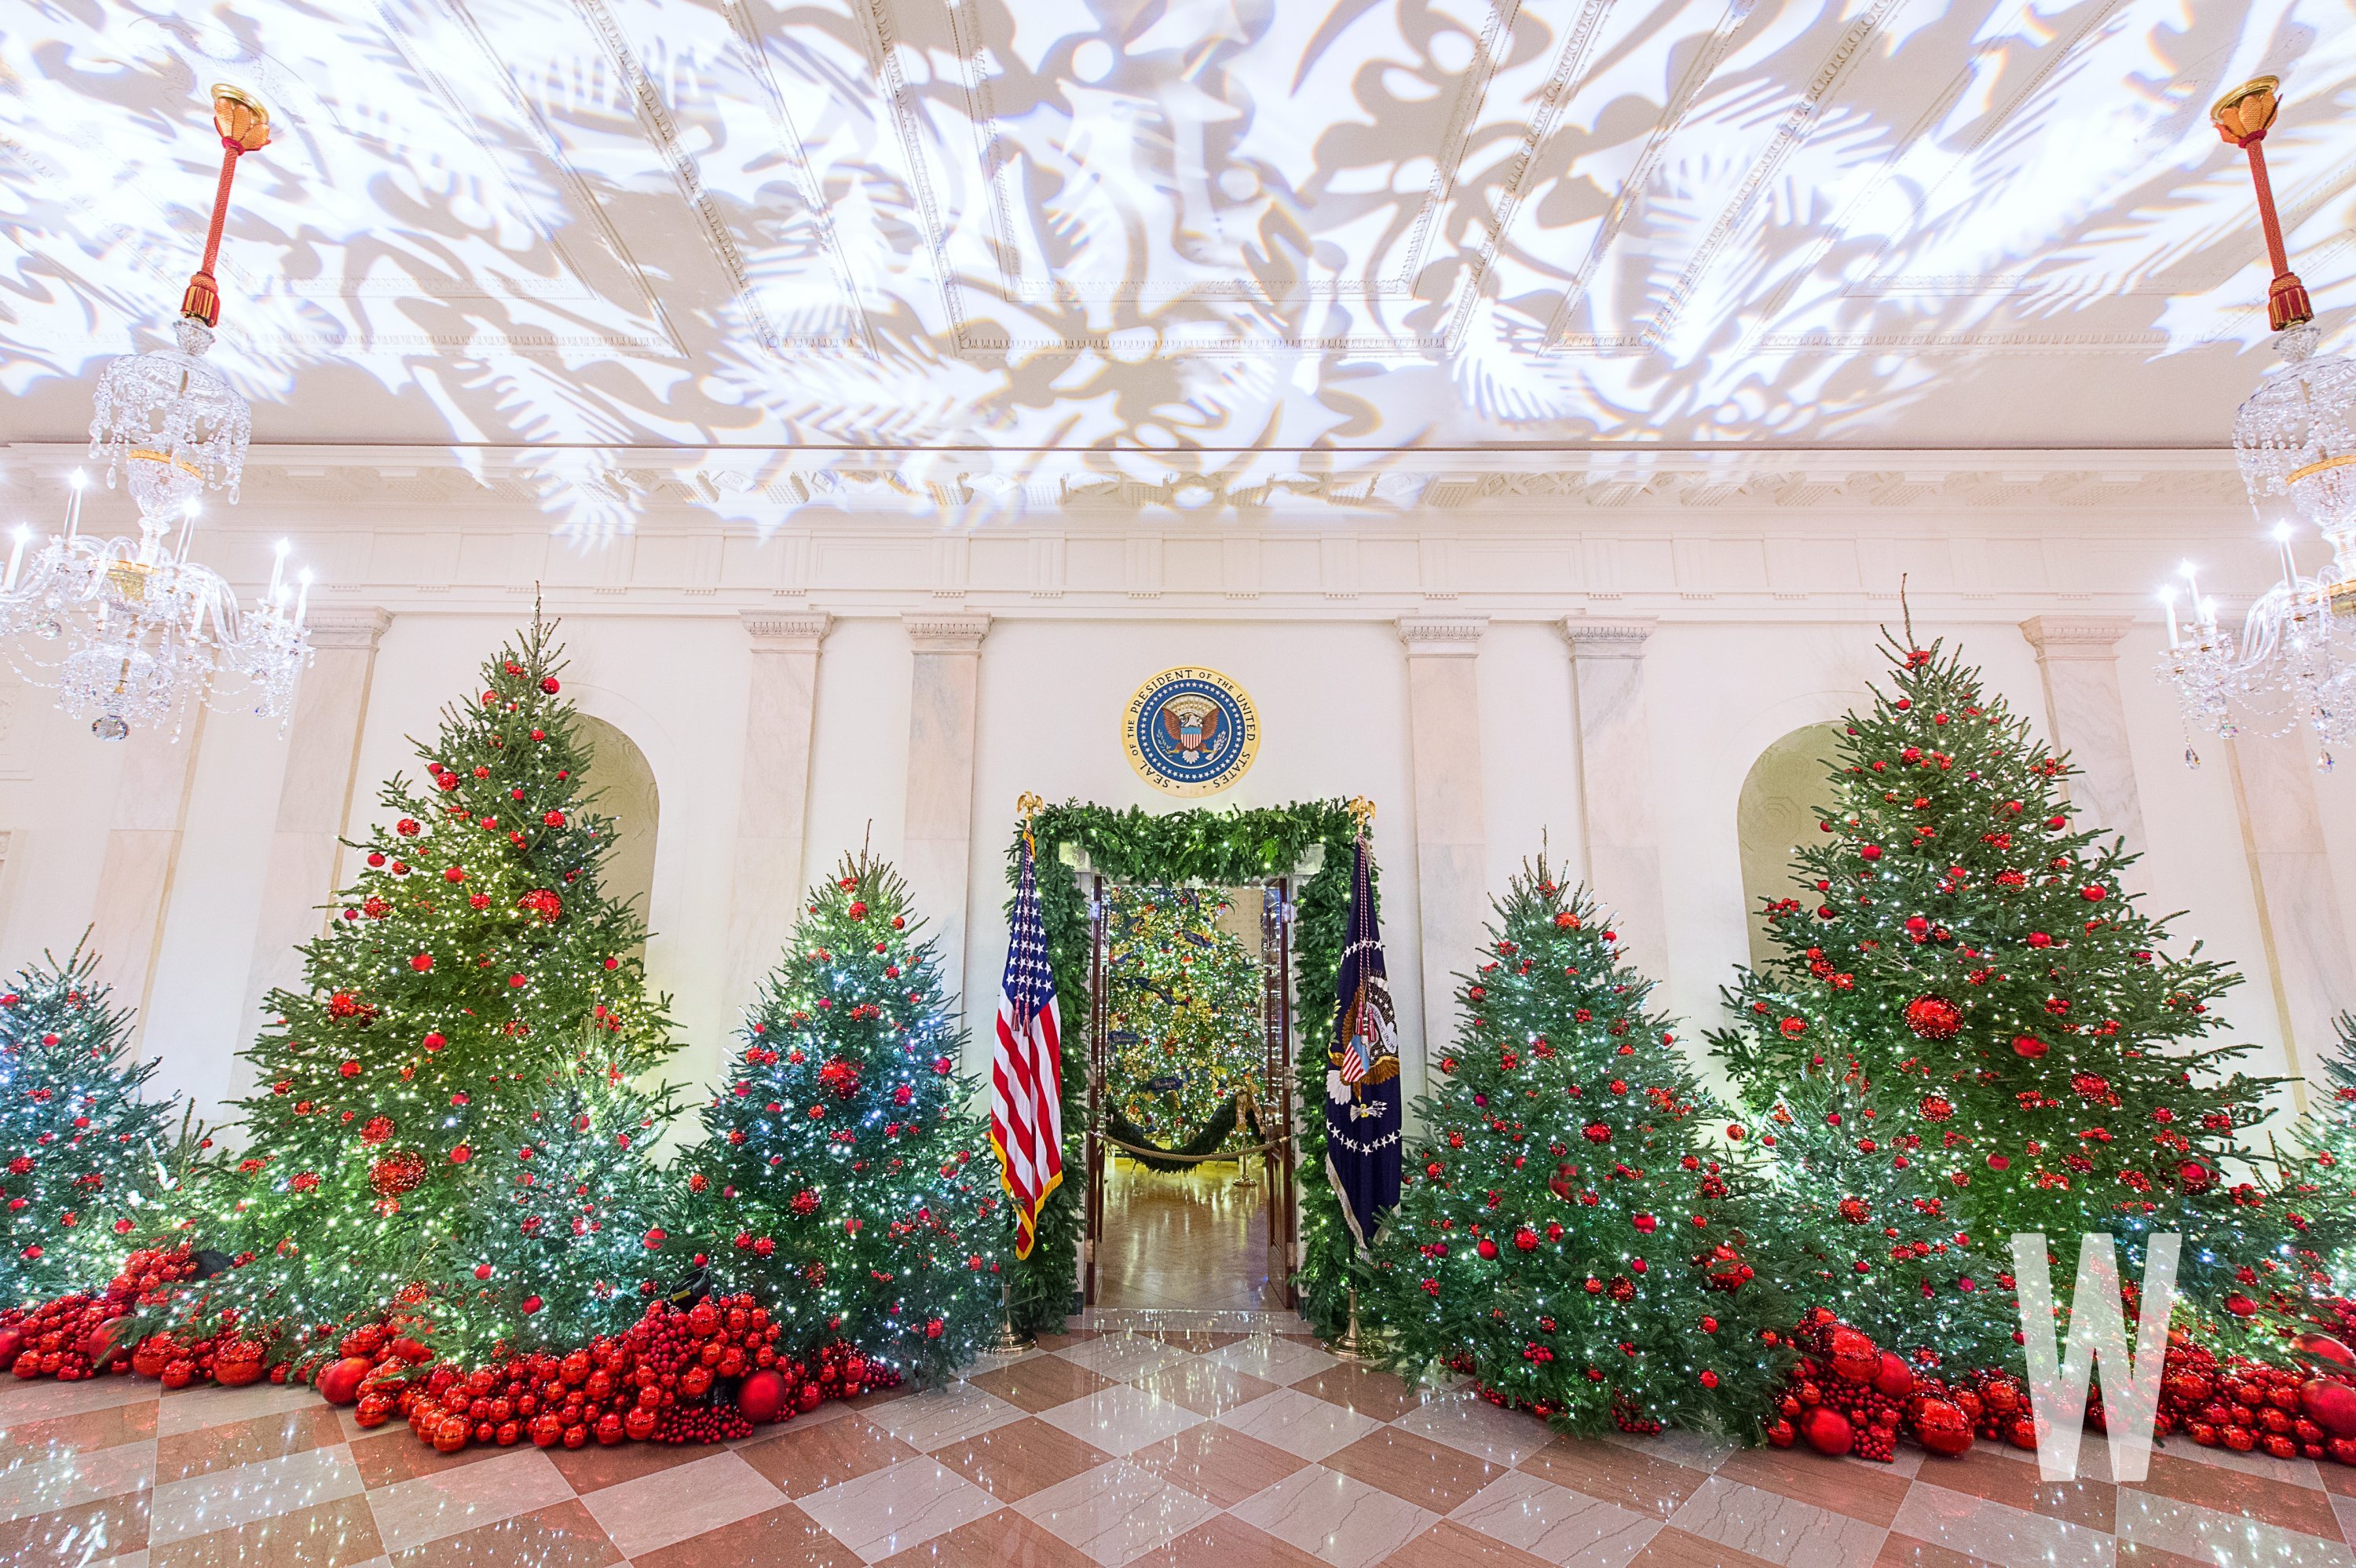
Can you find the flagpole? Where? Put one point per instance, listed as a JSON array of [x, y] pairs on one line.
[[1349, 1348]]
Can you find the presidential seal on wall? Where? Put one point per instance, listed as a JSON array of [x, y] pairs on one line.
[[1190, 732]]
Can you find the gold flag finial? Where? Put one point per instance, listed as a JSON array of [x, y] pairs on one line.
[[1361, 812], [1028, 806]]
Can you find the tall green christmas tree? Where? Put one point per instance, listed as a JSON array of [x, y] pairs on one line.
[[843, 1176], [469, 1030], [1572, 1231], [1862, 1221], [1185, 1012], [1970, 965], [84, 1154]]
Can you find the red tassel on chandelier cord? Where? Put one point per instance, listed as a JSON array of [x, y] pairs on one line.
[[2243, 117], [244, 127]]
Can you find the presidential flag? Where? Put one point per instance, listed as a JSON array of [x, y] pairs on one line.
[[1026, 1070], [1363, 1114]]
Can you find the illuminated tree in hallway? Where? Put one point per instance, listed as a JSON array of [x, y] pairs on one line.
[[445, 1113], [1572, 1231], [84, 1154], [1184, 994], [843, 1177]]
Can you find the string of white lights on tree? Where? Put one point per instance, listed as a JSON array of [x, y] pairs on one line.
[[144, 629], [2293, 663]]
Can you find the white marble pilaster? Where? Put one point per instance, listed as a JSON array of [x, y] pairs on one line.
[[938, 837], [314, 802], [2299, 920], [1616, 782], [2077, 658], [142, 851], [1451, 834], [773, 799]]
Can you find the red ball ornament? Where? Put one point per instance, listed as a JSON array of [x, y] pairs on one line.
[[2331, 1404], [1942, 1427], [1934, 1017], [340, 1383], [1827, 1431], [1854, 1355], [397, 1173], [2030, 1046], [548, 684], [2192, 1175], [2324, 1348], [763, 1396], [1893, 1378], [421, 963]]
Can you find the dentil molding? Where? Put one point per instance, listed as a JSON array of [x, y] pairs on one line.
[[787, 631], [1623, 638], [2094, 637], [1441, 635], [960, 633]]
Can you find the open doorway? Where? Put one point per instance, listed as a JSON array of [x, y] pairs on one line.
[[1190, 989]]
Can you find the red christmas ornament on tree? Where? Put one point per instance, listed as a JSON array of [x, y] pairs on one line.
[[397, 1173], [1934, 1017]]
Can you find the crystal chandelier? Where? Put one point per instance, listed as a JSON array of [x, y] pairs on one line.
[[140, 628], [2293, 663]]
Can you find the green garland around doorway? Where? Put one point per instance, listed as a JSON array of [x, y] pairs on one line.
[[1222, 849]]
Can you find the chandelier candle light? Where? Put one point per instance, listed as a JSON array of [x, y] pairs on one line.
[[145, 628], [2294, 660]]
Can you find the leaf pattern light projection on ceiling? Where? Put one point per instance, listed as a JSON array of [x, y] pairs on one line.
[[1251, 226]]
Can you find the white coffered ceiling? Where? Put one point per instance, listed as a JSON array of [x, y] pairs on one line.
[[1259, 225]]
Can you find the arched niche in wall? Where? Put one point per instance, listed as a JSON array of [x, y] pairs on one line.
[[623, 781], [1775, 815]]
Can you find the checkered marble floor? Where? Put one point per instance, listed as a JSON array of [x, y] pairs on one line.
[[1167, 1440]]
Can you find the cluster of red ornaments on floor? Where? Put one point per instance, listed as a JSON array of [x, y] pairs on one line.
[[709, 1372], [704, 1374], [1847, 1395]]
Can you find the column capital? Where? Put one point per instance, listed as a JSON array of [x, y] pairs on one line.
[[1441, 637], [1592, 638], [347, 626], [2076, 637], [785, 631], [946, 632]]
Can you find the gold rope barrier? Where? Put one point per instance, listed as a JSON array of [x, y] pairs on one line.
[[1190, 1159]]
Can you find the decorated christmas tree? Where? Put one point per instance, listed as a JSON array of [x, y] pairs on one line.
[[1572, 1232], [843, 1177], [445, 1116], [1184, 994], [1970, 970], [84, 1154], [2315, 1174], [1861, 1223]]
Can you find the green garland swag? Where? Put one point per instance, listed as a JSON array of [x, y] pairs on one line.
[[1206, 1141], [1221, 849]]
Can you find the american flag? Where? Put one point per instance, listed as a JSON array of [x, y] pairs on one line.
[[1026, 1070]]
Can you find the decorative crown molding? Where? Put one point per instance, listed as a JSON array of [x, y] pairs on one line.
[[2088, 637], [785, 632], [957, 632], [1443, 636], [347, 626], [1617, 639]]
